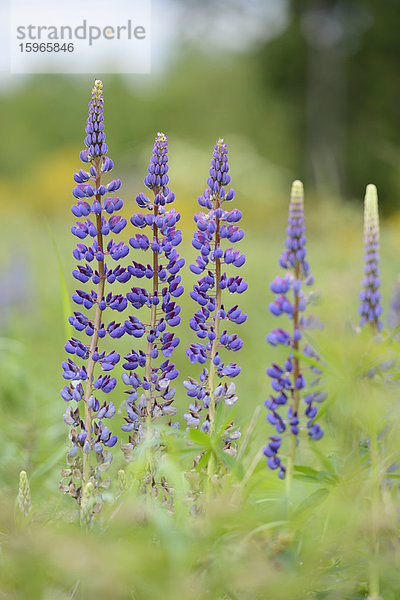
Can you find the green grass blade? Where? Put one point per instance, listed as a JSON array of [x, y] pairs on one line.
[[65, 298]]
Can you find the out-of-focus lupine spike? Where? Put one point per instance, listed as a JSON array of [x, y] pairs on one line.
[[393, 316], [89, 430], [370, 309], [150, 395], [288, 380], [212, 320]]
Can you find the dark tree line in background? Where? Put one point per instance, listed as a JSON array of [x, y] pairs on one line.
[[338, 65]]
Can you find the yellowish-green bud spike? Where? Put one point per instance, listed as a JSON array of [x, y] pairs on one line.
[[98, 87], [97, 91], [24, 494], [371, 214], [370, 308], [161, 137], [297, 192], [121, 481]]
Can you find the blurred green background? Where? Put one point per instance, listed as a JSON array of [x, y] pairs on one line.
[[298, 89], [303, 90]]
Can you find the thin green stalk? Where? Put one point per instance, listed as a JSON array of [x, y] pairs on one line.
[[214, 347], [296, 394], [373, 575], [95, 337], [65, 301], [153, 317], [290, 466], [249, 472], [150, 347], [249, 433]]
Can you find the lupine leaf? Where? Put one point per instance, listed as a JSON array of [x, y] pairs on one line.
[[200, 438], [227, 459], [314, 499]]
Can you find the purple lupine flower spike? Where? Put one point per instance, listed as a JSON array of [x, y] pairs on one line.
[[393, 317], [90, 432], [289, 386], [150, 394], [370, 309], [215, 225]]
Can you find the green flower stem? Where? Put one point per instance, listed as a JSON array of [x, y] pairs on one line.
[[373, 576], [153, 317], [295, 393], [95, 336], [211, 377]]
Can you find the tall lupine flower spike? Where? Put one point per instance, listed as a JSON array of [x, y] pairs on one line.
[[150, 394], [210, 322], [370, 308], [88, 417], [288, 381]]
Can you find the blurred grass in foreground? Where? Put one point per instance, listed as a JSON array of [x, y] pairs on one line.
[[248, 544]]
